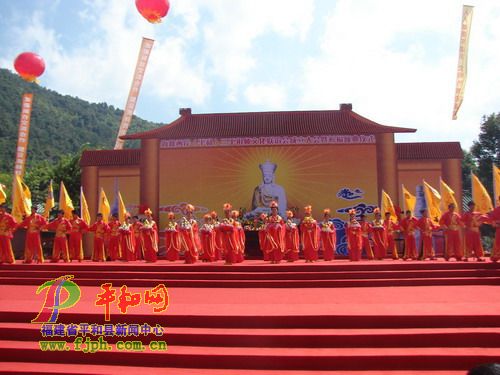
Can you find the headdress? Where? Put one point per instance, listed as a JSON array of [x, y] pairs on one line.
[[268, 167], [227, 206], [376, 210], [189, 208], [235, 213], [171, 215], [326, 211], [352, 211], [308, 209], [148, 211]]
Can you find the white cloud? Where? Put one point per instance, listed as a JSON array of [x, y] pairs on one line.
[[231, 34], [101, 67], [271, 96], [396, 61]]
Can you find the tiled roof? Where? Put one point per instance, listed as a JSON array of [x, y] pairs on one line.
[[405, 151], [103, 158], [251, 124], [429, 150]]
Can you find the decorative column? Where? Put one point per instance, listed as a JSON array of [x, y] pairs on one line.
[[150, 178], [90, 184], [387, 166], [451, 173]]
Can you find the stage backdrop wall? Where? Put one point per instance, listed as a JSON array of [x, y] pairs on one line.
[[338, 177]]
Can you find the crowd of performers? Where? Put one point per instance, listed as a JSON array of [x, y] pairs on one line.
[[280, 239]]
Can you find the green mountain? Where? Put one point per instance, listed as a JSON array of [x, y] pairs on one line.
[[60, 124]]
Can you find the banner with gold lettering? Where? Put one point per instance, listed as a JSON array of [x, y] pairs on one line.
[[140, 68], [23, 134], [462, 58]]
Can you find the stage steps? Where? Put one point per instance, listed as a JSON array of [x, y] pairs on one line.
[[340, 274], [218, 341]]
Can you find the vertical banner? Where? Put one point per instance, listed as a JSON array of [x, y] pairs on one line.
[[462, 58], [140, 68], [23, 135]]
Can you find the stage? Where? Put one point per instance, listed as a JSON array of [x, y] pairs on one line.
[[370, 317]]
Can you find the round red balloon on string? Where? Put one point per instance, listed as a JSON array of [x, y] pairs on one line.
[[29, 65], [153, 10]]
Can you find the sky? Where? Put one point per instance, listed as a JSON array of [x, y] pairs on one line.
[[394, 60]]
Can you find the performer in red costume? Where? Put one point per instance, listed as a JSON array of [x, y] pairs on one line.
[[172, 244], [218, 236], [240, 236], [230, 240], [328, 236], [78, 227], [62, 227], [379, 235], [188, 236], [7, 227], [149, 235], [365, 234], [260, 227], [33, 245], [309, 236], [127, 240], [426, 226], [408, 226], [114, 248], [494, 218], [100, 228], [472, 221], [451, 222], [291, 238], [354, 237], [274, 243], [390, 229], [138, 244], [207, 233]]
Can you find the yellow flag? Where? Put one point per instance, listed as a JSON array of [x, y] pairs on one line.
[[122, 210], [65, 203], [480, 196], [386, 205], [26, 197], [447, 196], [84, 208], [3, 195], [104, 207], [433, 200], [49, 201], [496, 185], [409, 199], [21, 199]]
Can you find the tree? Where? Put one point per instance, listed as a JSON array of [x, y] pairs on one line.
[[486, 150], [468, 166]]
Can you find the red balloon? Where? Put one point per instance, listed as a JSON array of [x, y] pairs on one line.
[[153, 10], [29, 65]]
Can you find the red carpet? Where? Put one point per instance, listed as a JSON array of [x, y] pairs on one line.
[[428, 318]]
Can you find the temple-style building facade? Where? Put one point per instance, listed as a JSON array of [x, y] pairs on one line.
[[327, 158]]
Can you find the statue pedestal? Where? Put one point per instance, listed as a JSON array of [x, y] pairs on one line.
[[252, 248]]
